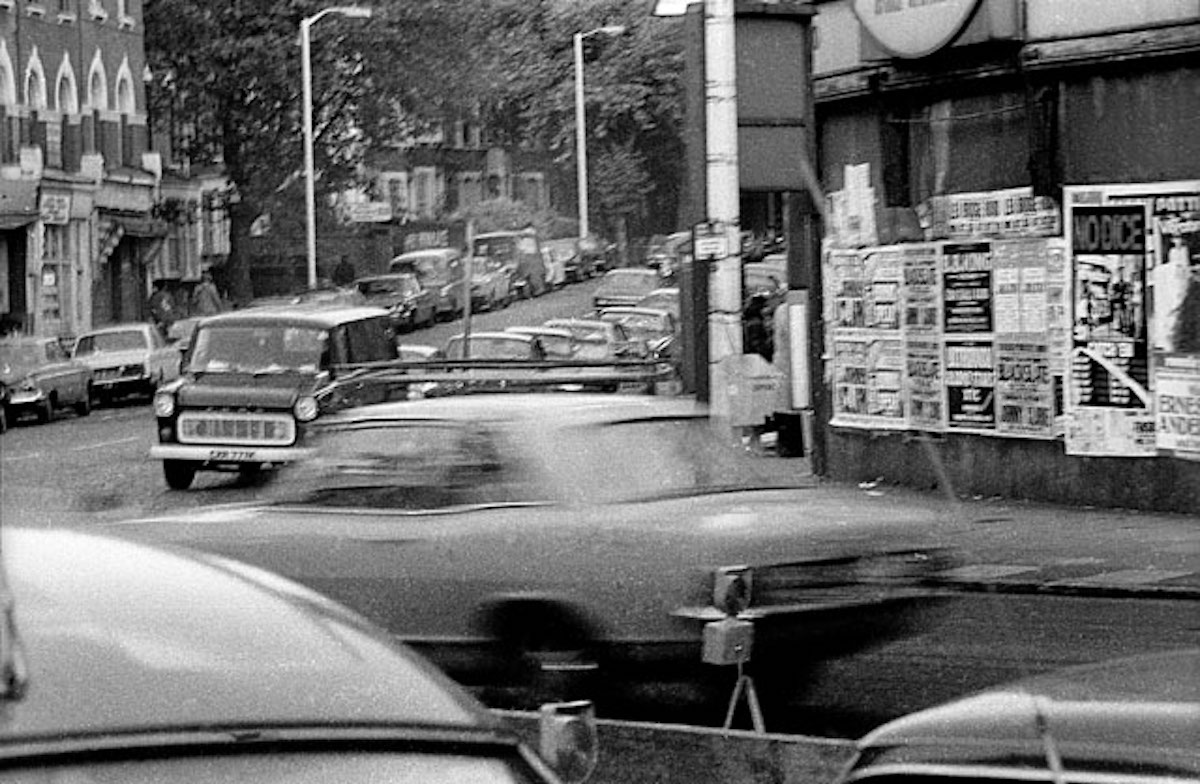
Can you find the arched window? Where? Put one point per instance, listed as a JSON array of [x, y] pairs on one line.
[[8, 84], [125, 102], [35, 82], [97, 84], [66, 97]]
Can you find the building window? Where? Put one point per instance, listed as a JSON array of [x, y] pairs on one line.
[[424, 198], [395, 191]]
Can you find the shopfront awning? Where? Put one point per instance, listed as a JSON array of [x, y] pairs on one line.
[[18, 203], [137, 226]]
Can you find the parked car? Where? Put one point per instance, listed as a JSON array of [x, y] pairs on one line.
[[124, 662], [440, 270], [127, 359], [1135, 720], [519, 252], [419, 352], [625, 286], [179, 334], [495, 345], [600, 339], [491, 285], [327, 295], [41, 378], [256, 379], [558, 343], [522, 539], [657, 328], [577, 264], [401, 294], [666, 298]]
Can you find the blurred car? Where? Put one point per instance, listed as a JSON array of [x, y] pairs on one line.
[[254, 381], [624, 286], [523, 539], [1134, 720], [491, 285], [127, 359], [520, 253], [123, 662], [439, 270], [401, 294], [666, 298], [41, 378], [558, 343], [658, 329]]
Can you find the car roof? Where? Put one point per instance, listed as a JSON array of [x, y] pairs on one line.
[[548, 409], [388, 276], [630, 272], [125, 637], [496, 335], [1142, 710], [557, 332], [139, 326], [315, 315], [633, 310]]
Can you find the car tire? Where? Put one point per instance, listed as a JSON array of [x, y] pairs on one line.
[[179, 473], [548, 651], [84, 407], [45, 412]]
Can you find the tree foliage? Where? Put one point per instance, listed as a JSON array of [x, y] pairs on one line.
[[229, 73]]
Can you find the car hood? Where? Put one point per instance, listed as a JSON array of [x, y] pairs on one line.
[[275, 390], [106, 359]]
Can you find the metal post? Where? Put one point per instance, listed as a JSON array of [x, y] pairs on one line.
[[580, 139], [722, 188], [310, 199]]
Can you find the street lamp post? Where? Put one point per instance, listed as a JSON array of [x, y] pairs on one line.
[[310, 199], [580, 134]]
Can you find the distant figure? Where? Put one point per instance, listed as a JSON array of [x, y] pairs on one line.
[[162, 307], [206, 300], [756, 338], [343, 273]]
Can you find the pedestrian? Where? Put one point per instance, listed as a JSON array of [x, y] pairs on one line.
[[162, 307], [206, 300], [344, 273], [756, 339]]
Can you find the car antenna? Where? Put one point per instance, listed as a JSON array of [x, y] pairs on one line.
[[1049, 744], [14, 672]]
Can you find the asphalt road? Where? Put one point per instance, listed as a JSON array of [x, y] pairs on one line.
[[75, 471]]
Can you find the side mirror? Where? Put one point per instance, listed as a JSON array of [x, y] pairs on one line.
[[568, 740]]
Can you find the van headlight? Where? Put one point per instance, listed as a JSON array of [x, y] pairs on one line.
[[305, 409], [164, 404]]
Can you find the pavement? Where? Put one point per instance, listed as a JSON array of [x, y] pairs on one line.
[[1009, 545]]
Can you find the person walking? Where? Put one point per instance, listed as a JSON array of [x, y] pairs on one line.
[[206, 300], [162, 307]]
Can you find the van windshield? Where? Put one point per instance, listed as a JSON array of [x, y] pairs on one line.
[[269, 348]]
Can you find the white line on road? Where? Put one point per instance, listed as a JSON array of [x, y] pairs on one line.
[[103, 444]]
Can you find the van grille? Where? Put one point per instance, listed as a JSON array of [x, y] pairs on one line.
[[236, 428]]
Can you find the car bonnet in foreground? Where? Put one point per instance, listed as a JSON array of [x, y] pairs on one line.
[[1134, 717], [110, 651]]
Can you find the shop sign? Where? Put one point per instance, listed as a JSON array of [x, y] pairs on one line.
[[1010, 213], [369, 212], [55, 208], [914, 28]]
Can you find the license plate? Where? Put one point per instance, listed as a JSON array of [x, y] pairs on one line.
[[221, 455]]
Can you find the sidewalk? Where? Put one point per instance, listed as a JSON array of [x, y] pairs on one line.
[[1015, 546]]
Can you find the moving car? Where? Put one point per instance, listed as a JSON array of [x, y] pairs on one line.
[[123, 662], [523, 539], [256, 378], [440, 270], [1134, 720], [625, 286], [401, 294], [41, 379], [520, 253], [127, 359]]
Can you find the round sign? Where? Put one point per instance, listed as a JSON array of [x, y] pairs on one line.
[[914, 28]]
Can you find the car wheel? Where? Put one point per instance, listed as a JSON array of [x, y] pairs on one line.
[[84, 406], [179, 473], [548, 650], [250, 473], [3, 418], [45, 412]]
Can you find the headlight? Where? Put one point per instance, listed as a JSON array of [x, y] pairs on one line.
[[164, 404], [305, 409]]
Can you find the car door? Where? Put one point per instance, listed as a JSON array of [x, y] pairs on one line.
[[65, 378], [165, 359]]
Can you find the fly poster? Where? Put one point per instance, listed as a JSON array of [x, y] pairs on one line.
[[970, 376], [1109, 407]]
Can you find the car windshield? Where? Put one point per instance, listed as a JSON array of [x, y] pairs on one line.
[[346, 767], [432, 464], [257, 349], [112, 341], [499, 248]]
